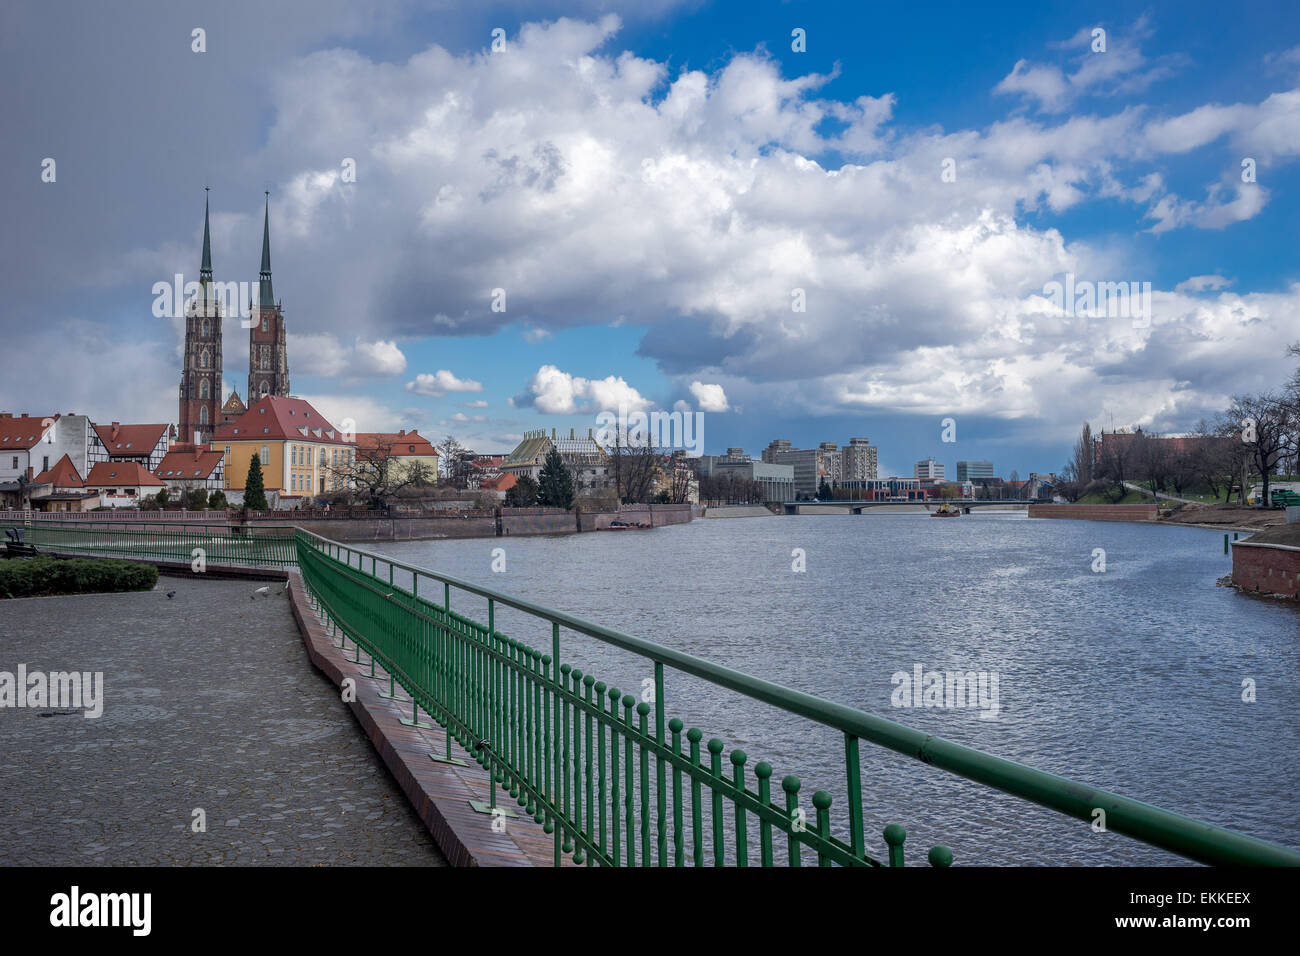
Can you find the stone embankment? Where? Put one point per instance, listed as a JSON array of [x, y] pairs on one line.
[[1095, 512]]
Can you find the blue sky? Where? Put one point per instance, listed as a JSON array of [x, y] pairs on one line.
[[648, 182]]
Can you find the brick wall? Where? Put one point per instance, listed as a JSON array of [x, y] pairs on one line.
[[1266, 568], [1095, 512]]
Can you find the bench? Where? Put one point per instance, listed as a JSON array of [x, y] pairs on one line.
[[14, 547]]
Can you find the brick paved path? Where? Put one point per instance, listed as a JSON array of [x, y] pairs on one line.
[[210, 702]]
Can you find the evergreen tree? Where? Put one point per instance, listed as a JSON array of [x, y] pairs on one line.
[[198, 500], [523, 494], [824, 492], [218, 500], [555, 484], [162, 499], [254, 493]]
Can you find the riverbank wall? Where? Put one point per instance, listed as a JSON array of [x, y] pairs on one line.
[[1263, 568], [450, 524], [1095, 512], [737, 511]]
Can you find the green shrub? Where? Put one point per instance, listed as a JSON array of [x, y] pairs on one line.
[[39, 577]]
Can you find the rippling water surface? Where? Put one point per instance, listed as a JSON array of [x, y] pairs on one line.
[[1129, 679]]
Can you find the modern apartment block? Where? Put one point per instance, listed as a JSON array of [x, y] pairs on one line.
[[858, 460], [928, 468], [969, 470], [828, 461]]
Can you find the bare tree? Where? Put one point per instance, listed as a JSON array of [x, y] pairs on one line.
[[1115, 463], [1084, 461], [375, 475], [1268, 428], [633, 464], [454, 460]]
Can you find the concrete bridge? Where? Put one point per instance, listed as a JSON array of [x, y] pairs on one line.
[[896, 507]]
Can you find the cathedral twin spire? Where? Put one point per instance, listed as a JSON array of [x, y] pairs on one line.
[[268, 367]]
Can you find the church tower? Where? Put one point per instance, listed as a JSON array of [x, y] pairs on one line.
[[200, 392], [268, 362]]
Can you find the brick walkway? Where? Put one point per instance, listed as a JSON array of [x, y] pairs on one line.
[[210, 702]]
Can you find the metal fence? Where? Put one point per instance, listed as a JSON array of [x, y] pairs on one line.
[[618, 783], [155, 540]]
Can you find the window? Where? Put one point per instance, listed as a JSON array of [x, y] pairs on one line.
[[263, 323], [204, 359], [264, 391], [293, 454], [203, 414], [266, 454], [47, 463], [207, 328], [15, 464], [204, 391], [309, 456]]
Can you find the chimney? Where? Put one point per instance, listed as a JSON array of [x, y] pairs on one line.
[[570, 434]]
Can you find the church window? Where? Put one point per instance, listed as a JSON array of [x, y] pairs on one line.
[[263, 323], [264, 388], [207, 328], [203, 390], [204, 359], [203, 414]]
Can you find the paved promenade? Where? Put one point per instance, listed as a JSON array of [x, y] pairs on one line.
[[209, 702]]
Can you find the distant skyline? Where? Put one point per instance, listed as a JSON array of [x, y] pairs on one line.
[[654, 186]]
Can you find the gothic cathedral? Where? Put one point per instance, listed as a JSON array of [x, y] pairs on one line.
[[201, 410]]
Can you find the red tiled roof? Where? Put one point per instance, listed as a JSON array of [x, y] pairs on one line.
[[272, 418], [399, 443], [62, 475], [22, 431], [130, 441], [188, 464], [107, 474], [500, 482]]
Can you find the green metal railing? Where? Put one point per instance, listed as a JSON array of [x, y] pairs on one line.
[[216, 544], [612, 778], [609, 776]]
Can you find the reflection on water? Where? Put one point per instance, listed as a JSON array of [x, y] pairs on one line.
[[1128, 679]]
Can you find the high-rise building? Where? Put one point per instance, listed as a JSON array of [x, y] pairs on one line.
[[200, 390], [969, 470], [268, 361], [776, 447], [928, 468], [858, 460], [831, 463]]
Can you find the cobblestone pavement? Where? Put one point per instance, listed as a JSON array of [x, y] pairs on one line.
[[209, 702]]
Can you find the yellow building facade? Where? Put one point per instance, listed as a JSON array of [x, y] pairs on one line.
[[301, 453]]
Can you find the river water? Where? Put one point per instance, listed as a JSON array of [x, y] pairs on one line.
[[1128, 678]]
